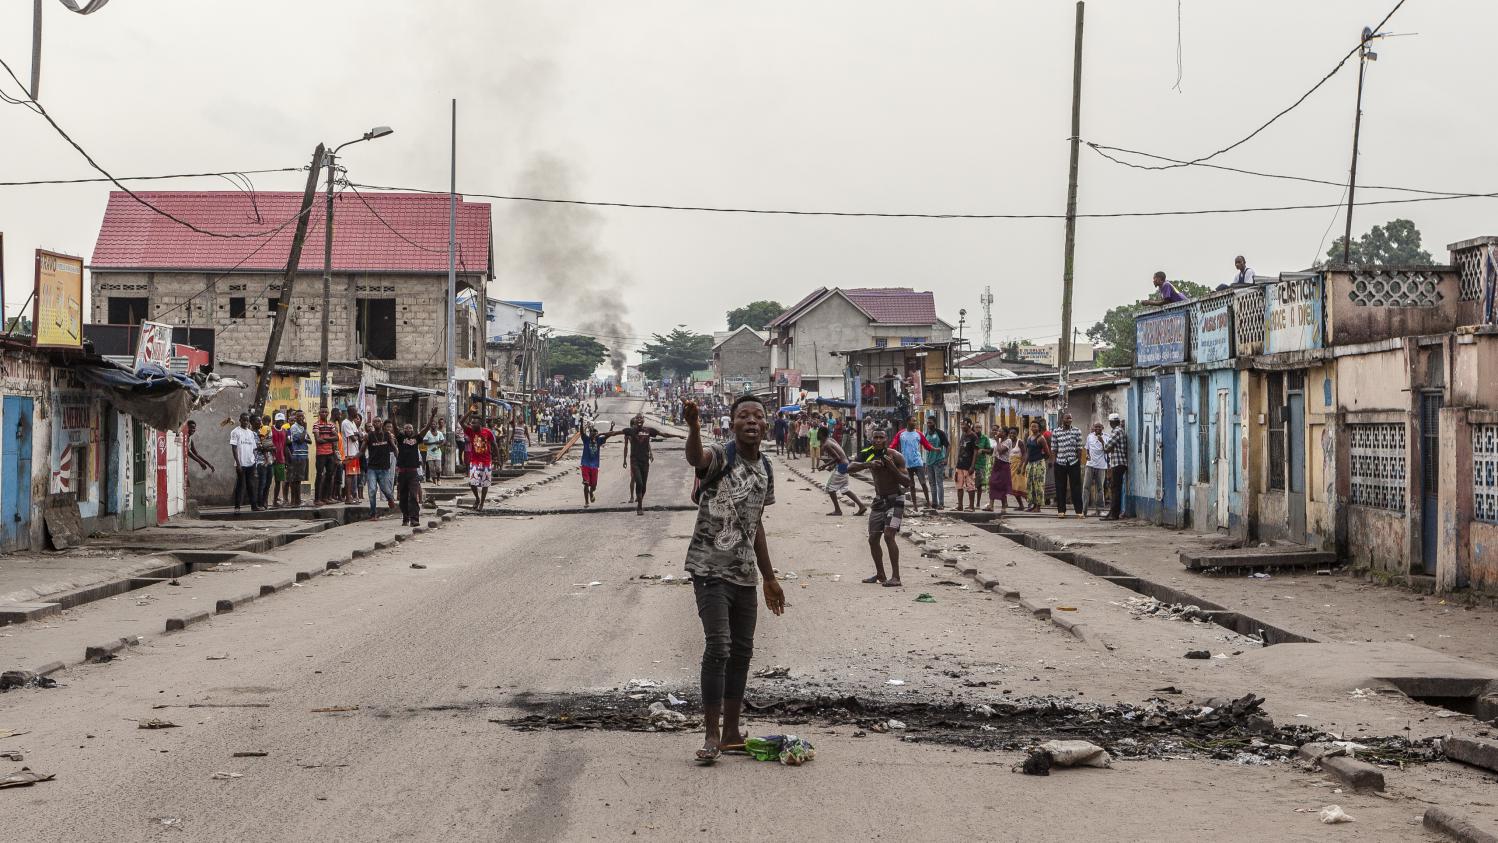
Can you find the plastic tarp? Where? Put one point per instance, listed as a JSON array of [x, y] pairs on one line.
[[151, 394], [835, 402], [790, 408]]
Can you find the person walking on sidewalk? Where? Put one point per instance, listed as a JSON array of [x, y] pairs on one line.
[[835, 460], [1066, 447], [728, 545], [325, 443], [408, 475], [296, 453], [379, 454], [887, 511], [1019, 471], [242, 443], [480, 457], [1116, 448], [1037, 460], [936, 464], [967, 460], [1000, 482], [913, 445], [982, 468], [1097, 471], [432, 442]]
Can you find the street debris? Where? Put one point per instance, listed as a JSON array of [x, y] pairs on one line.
[[925, 597], [665, 718], [1142, 607], [776, 672], [25, 778], [1198, 654], [894, 725], [13, 755], [218, 658], [251, 754], [174, 823], [223, 776], [787, 749], [24, 679], [1076, 754], [418, 566], [157, 723], [895, 682], [335, 708], [1333, 814], [672, 699]]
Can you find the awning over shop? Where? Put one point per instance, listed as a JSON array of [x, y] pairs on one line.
[[834, 402], [151, 394], [419, 390]]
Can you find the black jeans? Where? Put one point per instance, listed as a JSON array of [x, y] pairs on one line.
[[408, 487], [244, 486], [1069, 480], [326, 467], [1116, 476], [728, 614]]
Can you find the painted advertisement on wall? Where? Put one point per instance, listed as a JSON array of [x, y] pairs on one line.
[[155, 345], [57, 312], [1160, 338], [788, 377], [1292, 313], [1214, 331]]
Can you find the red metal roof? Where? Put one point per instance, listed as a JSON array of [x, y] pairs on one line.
[[896, 305], [135, 237]]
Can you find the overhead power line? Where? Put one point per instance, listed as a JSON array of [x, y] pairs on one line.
[[1287, 109], [41, 110], [224, 174], [806, 213]]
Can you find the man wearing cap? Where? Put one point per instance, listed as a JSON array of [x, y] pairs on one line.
[[1116, 449], [278, 435]]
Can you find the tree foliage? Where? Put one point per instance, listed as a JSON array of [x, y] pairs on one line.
[[681, 350], [575, 357], [1395, 243], [18, 326], [1116, 332], [754, 314]]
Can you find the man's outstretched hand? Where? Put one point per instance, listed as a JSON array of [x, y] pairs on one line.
[[689, 412]]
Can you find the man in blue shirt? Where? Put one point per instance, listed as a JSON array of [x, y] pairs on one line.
[[912, 445], [592, 445]]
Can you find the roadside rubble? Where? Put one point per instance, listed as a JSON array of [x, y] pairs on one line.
[[1226, 729], [25, 679]]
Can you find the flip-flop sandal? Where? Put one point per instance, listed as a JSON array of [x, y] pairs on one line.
[[707, 757], [893, 584], [873, 579]]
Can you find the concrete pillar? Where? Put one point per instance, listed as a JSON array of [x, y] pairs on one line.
[[1453, 555]]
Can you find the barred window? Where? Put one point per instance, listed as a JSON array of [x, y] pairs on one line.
[[1485, 472], [1380, 477]]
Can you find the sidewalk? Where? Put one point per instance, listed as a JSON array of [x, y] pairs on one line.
[[1335, 608]]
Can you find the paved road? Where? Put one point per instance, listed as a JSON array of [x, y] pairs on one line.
[[504, 611]]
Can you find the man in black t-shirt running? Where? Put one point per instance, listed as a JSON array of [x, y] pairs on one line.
[[637, 438]]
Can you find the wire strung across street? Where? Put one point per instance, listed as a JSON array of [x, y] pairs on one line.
[[95, 180]]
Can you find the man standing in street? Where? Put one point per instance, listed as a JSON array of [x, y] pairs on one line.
[[432, 442], [728, 545], [638, 436], [280, 492], [353, 469], [325, 439], [480, 457], [887, 511], [936, 464], [592, 442], [835, 459], [242, 444], [1066, 450], [1116, 447], [967, 463], [1097, 470], [408, 475], [296, 453], [913, 445]]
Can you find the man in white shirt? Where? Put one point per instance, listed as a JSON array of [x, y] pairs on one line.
[[1097, 470], [242, 443], [353, 490], [1245, 272]]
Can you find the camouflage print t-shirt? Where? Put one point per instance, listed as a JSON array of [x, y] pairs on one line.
[[728, 519]]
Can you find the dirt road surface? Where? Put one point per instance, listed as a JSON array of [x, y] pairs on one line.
[[372, 697]]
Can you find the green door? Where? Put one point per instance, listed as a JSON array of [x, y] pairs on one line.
[[138, 477]]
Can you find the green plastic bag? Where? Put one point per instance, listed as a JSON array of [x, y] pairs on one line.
[[925, 598], [787, 749]]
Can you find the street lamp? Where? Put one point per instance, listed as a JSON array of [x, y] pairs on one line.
[[327, 257], [957, 364]]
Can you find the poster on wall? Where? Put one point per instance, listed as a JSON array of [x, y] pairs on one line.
[[57, 307], [1160, 338], [1292, 313], [154, 346], [1214, 331], [788, 377]]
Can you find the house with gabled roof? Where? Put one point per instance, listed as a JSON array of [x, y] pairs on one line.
[[741, 361], [807, 339]]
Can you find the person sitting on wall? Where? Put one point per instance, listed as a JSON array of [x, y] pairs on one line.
[[1166, 293]]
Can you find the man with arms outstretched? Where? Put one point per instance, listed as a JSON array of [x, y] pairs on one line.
[[887, 511]]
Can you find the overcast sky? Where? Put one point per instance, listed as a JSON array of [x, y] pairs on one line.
[[871, 105]]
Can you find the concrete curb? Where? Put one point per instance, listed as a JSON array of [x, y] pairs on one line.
[[1359, 775], [98, 651], [1455, 826], [229, 604], [184, 621], [1473, 751], [282, 584]]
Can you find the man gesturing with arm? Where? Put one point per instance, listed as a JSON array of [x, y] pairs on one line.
[[727, 556]]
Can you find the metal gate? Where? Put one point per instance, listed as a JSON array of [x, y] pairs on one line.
[[15, 464], [1430, 478]]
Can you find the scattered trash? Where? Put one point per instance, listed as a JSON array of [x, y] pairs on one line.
[[924, 597], [169, 822], [1065, 608], [1363, 693], [157, 723], [251, 754], [672, 699], [985, 710], [1198, 654], [222, 776], [776, 672], [418, 566], [1168, 689], [218, 658], [1220, 656], [1076, 754], [100, 658], [894, 725], [1037, 763], [335, 708], [25, 778], [644, 555], [644, 683], [789, 575], [24, 679], [1141, 607], [665, 717], [1333, 814], [13, 755], [895, 682], [1259, 575], [787, 749]]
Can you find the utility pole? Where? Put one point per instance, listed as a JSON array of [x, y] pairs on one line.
[[36, 49], [1364, 56], [288, 282], [452, 284], [323, 401], [1063, 356]]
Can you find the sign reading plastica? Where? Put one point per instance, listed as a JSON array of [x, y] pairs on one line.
[[1292, 313]]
